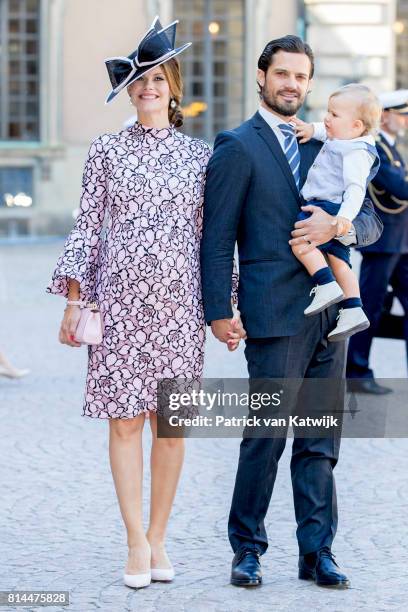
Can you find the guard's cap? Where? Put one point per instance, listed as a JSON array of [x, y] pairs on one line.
[[396, 101]]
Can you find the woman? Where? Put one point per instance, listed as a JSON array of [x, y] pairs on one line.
[[146, 183]]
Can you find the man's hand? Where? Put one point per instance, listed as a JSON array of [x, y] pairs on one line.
[[319, 228], [220, 329], [303, 130]]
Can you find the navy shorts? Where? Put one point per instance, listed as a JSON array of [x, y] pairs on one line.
[[334, 247]]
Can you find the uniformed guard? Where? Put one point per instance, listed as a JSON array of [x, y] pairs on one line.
[[385, 262]]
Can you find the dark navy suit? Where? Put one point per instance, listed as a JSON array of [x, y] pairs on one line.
[[251, 198], [385, 262]]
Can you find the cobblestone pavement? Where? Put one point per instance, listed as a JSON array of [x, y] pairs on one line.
[[60, 524]]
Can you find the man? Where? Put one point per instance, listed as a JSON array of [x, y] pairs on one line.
[[252, 197], [385, 262]]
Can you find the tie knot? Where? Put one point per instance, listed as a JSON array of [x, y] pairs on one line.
[[287, 129]]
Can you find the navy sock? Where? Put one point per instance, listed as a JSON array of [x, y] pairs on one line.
[[323, 276], [351, 303]]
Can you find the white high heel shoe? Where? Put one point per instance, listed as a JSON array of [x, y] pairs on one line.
[[137, 581], [10, 372], [163, 575]]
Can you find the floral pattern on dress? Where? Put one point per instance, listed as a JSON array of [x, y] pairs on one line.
[[135, 250]]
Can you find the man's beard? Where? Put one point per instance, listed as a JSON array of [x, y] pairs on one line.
[[288, 109]]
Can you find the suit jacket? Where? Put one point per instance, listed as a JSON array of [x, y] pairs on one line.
[[389, 192], [251, 198]]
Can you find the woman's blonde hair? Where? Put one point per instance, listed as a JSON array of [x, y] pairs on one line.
[[368, 107], [172, 72]]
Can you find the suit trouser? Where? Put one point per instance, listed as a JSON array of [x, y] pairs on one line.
[[306, 355], [378, 270]]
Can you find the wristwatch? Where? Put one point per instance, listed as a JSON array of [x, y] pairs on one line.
[[349, 238]]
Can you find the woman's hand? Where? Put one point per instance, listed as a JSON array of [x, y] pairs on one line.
[[303, 130], [236, 333], [69, 324]]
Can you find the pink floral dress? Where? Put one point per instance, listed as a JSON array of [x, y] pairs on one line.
[[135, 250]]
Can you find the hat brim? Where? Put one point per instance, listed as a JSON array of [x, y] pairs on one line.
[[143, 71], [401, 108], [399, 111]]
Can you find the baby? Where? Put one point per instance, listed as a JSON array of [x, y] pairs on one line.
[[337, 183]]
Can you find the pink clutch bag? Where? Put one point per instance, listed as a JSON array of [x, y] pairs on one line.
[[90, 327]]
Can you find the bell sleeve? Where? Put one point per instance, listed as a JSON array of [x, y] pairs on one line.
[[79, 259]]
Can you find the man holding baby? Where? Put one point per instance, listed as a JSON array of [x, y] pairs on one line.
[[253, 198]]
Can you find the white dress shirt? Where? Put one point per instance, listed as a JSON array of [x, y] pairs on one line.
[[273, 121]]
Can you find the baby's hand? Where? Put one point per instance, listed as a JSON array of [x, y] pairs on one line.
[[303, 130], [343, 226]]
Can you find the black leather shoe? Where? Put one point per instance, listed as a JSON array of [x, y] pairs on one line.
[[323, 569], [246, 568], [366, 385]]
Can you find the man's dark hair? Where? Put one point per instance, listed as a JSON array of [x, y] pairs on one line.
[[290, 44]]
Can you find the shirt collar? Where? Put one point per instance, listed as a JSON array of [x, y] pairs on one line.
[[271, 119], [369, 138], [388, 138]]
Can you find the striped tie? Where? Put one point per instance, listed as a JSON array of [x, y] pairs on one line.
[[291, 150]]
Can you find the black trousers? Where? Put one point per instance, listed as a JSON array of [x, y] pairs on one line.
[[378, 270], [306, 355]]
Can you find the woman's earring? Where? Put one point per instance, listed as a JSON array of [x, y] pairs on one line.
[[130, 101], [173, 103]]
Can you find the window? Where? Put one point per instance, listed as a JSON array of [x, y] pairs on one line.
[[401, 55], [16, 187], [401, 33], [213, 68], [19, 70]]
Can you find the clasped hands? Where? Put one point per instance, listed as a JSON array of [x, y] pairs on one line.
[[229, 331]]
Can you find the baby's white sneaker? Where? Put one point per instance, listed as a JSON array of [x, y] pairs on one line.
[[324, 296], [349, 322]]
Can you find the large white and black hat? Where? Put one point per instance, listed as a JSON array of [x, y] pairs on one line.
[[156, 47], [396, 101]]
